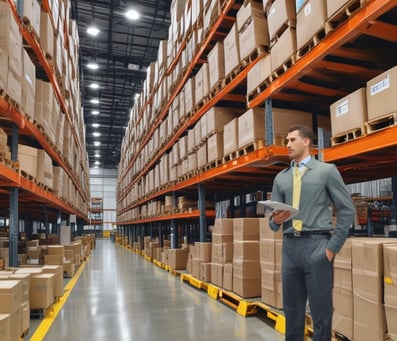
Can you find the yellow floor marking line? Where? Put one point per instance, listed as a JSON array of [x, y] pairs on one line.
[[54, 310]]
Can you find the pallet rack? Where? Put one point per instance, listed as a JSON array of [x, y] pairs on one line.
[[18, 191], [348, 56]]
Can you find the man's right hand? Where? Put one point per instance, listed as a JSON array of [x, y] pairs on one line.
[[279, 217]]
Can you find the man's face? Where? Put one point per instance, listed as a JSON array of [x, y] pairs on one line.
[[298, 147]]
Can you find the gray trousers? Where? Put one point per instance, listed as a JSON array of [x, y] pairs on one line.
[[307, 274]]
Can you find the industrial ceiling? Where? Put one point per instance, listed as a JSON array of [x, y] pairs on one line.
[[122, 49]]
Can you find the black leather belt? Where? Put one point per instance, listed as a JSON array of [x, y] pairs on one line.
[[306, 234]]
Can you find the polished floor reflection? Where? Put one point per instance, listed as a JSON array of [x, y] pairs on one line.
[[122, 297]]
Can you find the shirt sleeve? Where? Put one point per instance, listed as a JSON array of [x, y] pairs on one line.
[[344, 207]]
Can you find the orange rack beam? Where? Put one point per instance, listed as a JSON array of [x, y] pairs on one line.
[[190, 68], [187, 215], [355, 26], [372, 142]]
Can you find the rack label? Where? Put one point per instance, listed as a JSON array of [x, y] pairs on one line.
[[342, 108], [380, 86]]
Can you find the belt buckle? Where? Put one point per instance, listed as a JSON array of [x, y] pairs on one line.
[[297, 233]]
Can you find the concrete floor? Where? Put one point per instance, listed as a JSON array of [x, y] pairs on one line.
[[120, 296]]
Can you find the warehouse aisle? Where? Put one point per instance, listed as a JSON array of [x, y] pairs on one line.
[[122, 297]]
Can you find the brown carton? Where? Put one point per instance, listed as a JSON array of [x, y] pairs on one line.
[[280, 13], [215, 147], [41, 294], [57, 270], [216, 64], [228, 276], [177, 258], [309, 21], [230, 137], [246, 250], [253, 36], [381, 90], [217, 274], [350, 112], [258, 74], [283, 48], [231, 44], [10, 296], [390, 274], [205, 271], [271, 288], [246, 229]]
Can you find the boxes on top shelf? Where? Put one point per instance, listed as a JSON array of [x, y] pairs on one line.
[[247, 12], [231, 44], [349, 114], [309, 21], [280, 15], [31, 15], [381, 98]]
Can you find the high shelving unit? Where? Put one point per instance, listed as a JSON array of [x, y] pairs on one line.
[[348, 56], [19, 193]]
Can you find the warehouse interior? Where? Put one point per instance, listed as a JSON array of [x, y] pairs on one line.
[[142, 136]]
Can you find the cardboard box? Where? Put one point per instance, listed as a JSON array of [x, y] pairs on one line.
[[270, 254], [255, 35], [6, 328], [202, 159], [41, 294], [31, 15], [216, 64], [27, 157], [217, 274], [205, 251], [246, 287], [177, 258], [14, 86], [258, 74], [57, 271], [309, 21], [28, 86], [222, 252], [283, 48], [228, 276], [349, 113], [44, 169], [280, 13], [390, 274], [249, 10], [224, 226], [10, 296], [231, 45], [246, 229], [391, 318], [251, 127], [342, 324], [205, 271], [10, 40], [334, 5], [215, 147], [215, 119], [230, 137], [58, 250], [246, 250], [271, 288], [381, 90]]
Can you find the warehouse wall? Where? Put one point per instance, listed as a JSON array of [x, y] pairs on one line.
[[103, 185]]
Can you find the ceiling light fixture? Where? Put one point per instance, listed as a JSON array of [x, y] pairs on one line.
[[96, 134], [93, 31], [94, 86], [95, 125], [97, 155], [93, 66], [132, 14], [95, 112], [97, 143], [97, 163], [95, 101]]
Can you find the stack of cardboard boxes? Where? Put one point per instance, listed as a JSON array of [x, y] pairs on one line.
[[222, 254], [246, 264], [390, 287]]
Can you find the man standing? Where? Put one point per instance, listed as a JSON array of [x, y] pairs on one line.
[[309, 246]]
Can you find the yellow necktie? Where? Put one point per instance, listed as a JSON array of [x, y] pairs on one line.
[[296, 194]]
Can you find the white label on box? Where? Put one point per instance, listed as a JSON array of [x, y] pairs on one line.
[[342, 108], [308, 9], [380, 86]]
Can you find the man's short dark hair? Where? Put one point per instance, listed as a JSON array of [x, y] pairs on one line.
[[304, 131]]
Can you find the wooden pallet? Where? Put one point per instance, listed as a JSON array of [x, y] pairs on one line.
[[313, 41], [343, 14], [347, 136], [285, 25], [255, 145], [255, 53], [381, 123], [259, 89], [283, 67]]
